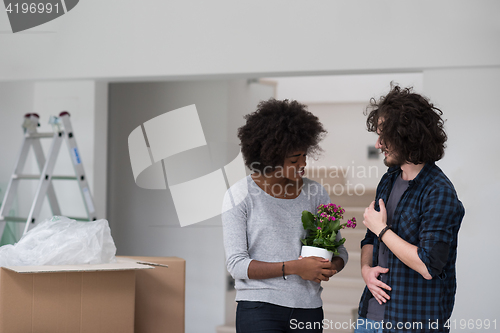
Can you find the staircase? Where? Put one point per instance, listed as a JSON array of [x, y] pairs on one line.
[[342, 293]]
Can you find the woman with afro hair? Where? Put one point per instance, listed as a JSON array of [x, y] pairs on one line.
[[275, 290]]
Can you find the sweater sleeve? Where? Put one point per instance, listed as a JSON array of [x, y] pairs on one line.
[[342, 250], [234, 222]]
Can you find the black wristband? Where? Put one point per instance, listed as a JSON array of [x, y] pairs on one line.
[[283, 270], [383, 232]]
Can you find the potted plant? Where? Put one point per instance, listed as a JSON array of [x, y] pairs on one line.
[[322, 229]]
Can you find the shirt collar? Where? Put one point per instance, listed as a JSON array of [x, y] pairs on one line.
[[424, 174], [421, 177]]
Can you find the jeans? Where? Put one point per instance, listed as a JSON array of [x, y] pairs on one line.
[[265, 317], [368, 326]]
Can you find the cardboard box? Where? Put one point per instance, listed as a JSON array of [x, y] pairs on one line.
[[66, 299], [160, 296]]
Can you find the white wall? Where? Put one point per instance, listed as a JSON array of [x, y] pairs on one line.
[[469, 100], [123, 39], [16, 99], [358, 88], [346, 146]]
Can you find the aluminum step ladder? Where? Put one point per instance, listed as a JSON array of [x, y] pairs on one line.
[[62, 130]]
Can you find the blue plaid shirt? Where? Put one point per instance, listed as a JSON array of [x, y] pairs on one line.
[[428, 215]]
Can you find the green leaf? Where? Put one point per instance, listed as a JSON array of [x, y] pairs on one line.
[[336, 225], [327, 227], [308, 220], [333, 236], [319, 242], [340, 242]]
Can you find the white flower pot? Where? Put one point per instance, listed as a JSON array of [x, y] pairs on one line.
[[312, 251]]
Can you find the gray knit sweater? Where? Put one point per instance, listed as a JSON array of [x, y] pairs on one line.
[[261, 227]]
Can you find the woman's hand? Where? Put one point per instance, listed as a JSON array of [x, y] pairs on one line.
[[313, 269], [337, 264]]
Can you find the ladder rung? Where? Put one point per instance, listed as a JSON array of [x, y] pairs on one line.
[[38, 177], [13, 219], [64, 177], [83, 219], [39, 135], [25, 176], [24, 219]]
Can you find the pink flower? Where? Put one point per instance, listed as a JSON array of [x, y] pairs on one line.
[[351, 223], [319, 228]]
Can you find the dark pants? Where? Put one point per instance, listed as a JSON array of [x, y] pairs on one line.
[[265, 317]]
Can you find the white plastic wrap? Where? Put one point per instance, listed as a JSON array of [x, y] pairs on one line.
[[62, 241]]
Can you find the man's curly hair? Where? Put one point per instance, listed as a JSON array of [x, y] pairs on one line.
[[409, 124], [277, 129]]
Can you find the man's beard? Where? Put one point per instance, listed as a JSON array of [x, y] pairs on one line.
[[395, 160], [390, 164]]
